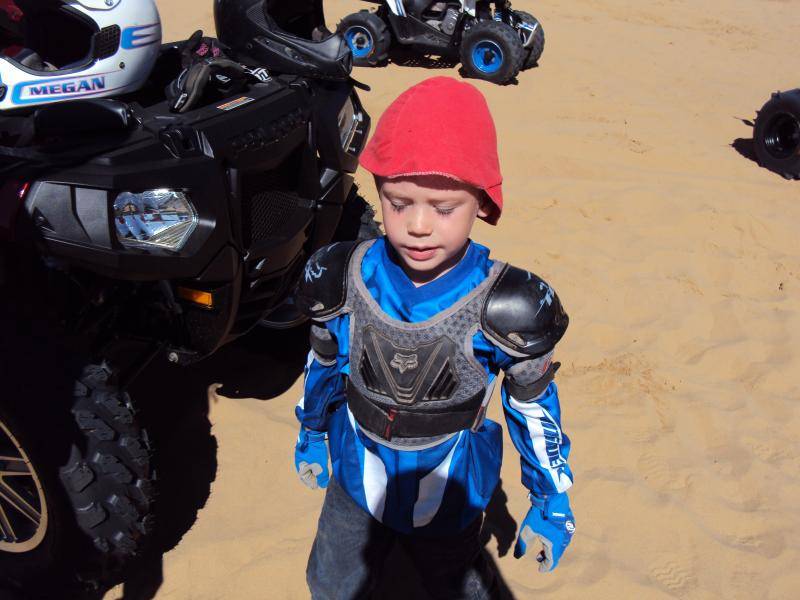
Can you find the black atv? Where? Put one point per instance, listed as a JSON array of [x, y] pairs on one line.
[[776, 135], [142, 228], [491, 44]]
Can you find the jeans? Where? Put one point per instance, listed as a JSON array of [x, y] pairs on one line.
[[351, 547]]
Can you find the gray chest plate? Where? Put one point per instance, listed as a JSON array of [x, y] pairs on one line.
[[414, 380]]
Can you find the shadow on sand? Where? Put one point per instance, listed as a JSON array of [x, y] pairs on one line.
[[263, 364], [405, 57], [744, 146]]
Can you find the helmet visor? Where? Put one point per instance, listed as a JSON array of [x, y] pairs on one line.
[[298, 17]]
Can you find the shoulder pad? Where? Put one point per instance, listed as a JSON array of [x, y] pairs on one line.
[[523, 313], [323, 284]]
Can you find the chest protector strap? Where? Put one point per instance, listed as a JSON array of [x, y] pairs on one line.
[[398, 422], [414, 381]]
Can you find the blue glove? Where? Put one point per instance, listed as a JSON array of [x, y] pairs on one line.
[[550, 521], [311, 458]]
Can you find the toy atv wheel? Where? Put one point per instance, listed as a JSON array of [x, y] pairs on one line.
[[492, 51], [75, 481], [776, 135], [530, 31], [368, 37]]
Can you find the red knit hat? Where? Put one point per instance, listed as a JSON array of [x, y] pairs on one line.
[[441, 126]]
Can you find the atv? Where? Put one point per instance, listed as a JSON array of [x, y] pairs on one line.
[[776, 134], [145, 228], [494, 45]]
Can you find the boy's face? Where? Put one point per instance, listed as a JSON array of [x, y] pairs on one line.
[[428, 219]]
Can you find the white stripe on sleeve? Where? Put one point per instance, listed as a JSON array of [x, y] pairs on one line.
[[546, 439]]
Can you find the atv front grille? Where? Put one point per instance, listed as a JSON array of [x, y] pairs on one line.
[[277, 216], [271, 208], [270, 212]]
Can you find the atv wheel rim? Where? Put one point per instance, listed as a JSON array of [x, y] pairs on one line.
[[487, 56], [359, 40], [23, 510], [782, 136]]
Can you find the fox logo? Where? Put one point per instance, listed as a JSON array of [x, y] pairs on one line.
[[404, 362]]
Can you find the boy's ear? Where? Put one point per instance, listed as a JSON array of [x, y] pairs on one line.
[[485, 205]]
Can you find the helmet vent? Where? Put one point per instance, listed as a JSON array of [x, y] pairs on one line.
[[106, 42]]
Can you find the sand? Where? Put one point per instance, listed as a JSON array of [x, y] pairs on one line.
[[628, 187]]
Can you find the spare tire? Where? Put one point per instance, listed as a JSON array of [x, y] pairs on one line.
[[776, 135]]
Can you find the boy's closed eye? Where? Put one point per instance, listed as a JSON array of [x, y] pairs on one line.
[[445, 209], [398, 206], [439, 208]]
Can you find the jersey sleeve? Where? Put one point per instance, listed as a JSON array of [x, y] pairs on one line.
[[323, 380], [533, 414]]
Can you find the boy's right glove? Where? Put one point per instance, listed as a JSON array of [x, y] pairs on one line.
[[311, 458], [549, 521]]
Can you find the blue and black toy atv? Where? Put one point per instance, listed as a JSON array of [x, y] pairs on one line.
[[494, 44]]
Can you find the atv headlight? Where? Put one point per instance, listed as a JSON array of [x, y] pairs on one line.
[[161, 218], [349, 120]]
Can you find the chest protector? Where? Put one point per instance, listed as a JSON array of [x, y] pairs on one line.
[[408, 381]]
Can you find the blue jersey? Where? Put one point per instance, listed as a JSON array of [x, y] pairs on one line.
[[442, 488]]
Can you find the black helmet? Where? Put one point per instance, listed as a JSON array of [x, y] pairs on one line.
[[287, 36]]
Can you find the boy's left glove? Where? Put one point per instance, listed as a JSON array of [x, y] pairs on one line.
[[311, 458], [550, 521]]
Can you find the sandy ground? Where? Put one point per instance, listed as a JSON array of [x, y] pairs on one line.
[[675, 257]]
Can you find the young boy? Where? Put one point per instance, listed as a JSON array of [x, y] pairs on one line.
[[410, 332]]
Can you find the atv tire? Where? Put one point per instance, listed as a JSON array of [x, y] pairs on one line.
[[492, 50], [776, 135], [81, 473], [368, 37], [533, 52]]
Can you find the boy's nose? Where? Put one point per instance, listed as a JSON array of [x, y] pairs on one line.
[[418, 223]]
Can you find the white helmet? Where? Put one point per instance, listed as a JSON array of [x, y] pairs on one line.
[[56, 50]]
